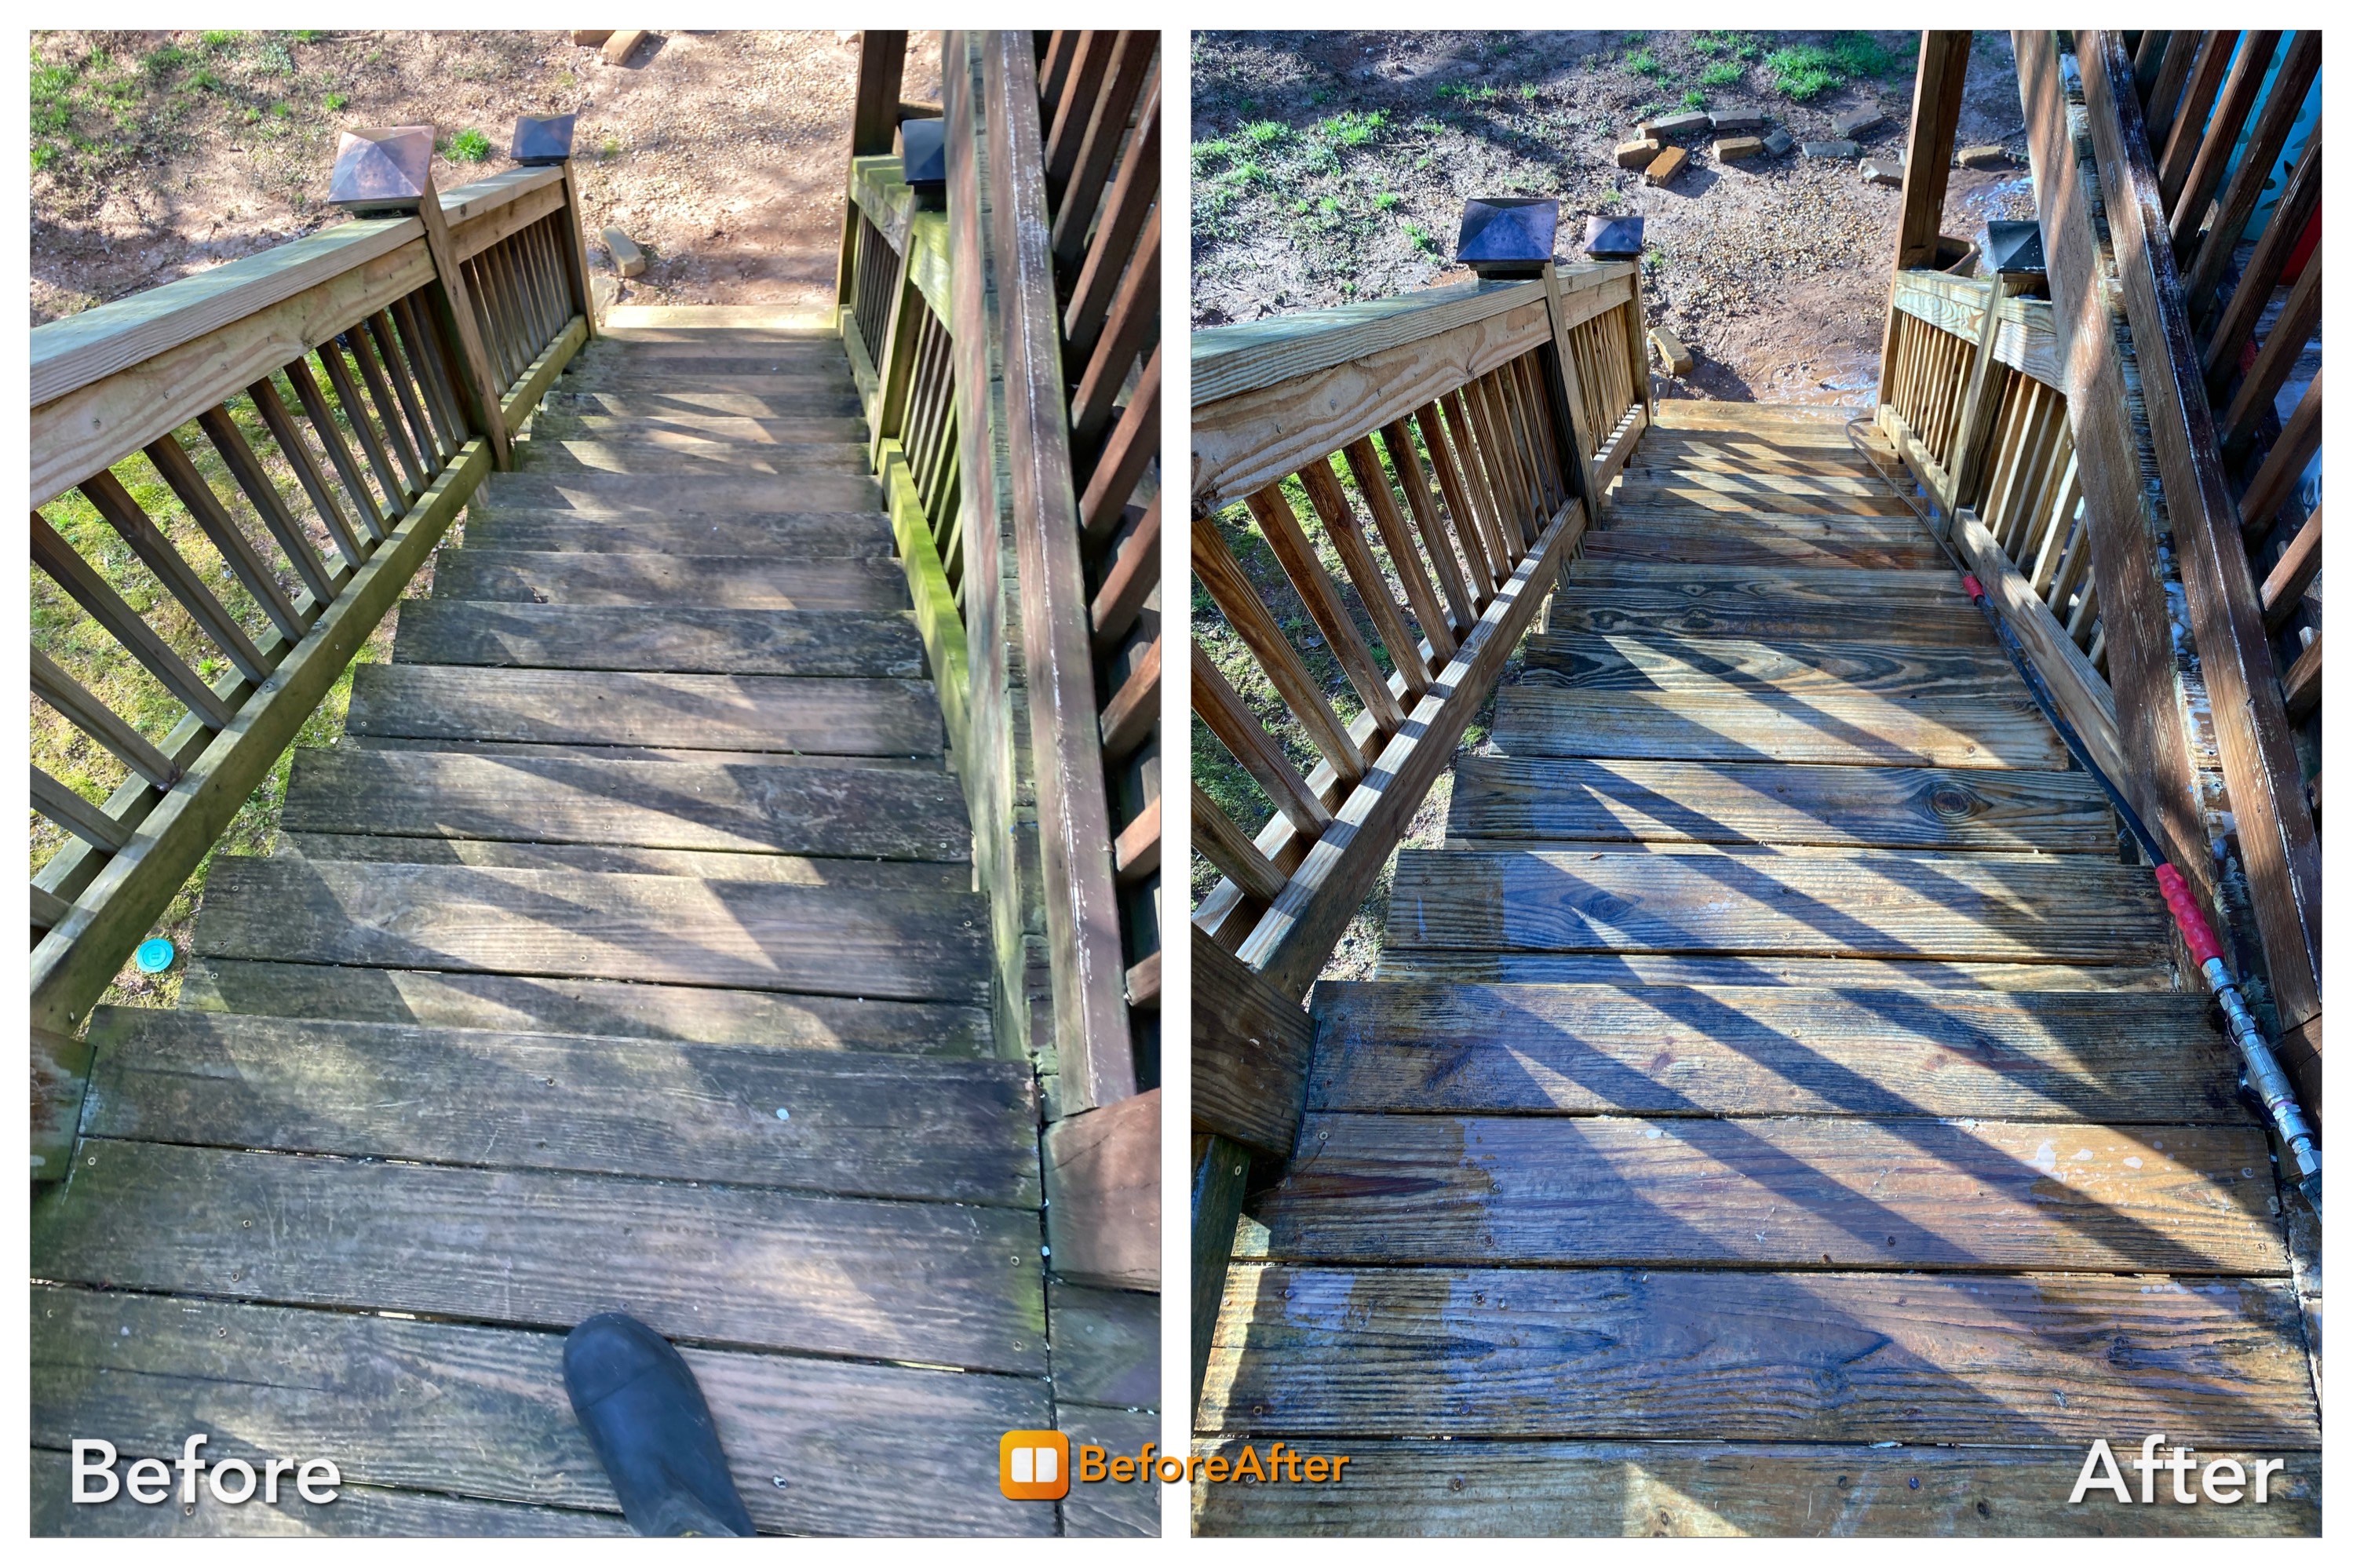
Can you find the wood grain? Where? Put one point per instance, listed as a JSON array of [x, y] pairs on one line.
[[1945, 906], [788, 539], [682, 638], [1632, 662], [871, 582], [2118, 1056], [1732, 726], [1774, 802], [1759, 1357], [915, 947], [1763, 969], [732, 1266], [864, 1126]]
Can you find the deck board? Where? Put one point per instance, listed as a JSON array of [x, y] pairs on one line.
[[640, 578], [670, 639]]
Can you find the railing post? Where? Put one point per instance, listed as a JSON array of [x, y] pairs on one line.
[[541, 140], [1927, 167], [873, 128], [1571, 391], [391, 170]]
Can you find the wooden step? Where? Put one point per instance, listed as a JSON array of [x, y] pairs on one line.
[[748, 1266], [801, 389], [1651, 491], [2110, 1056], [880, 1126], [1533, 1488], [746, 935], [742, 806], [658, 402], [1734, 453], [1437, 965], [1730, 612], [2069, 909], [557, 454], [1761, 1357], [1741, 522], [686, 638], [728, 359], [625, 498], [1717, 482], [696, 430], [1544, 798], [1794, 1192], [870, 583], [923, 761], [1660, 539], [1532, 719], [1805, 585], [784, 537], [707, 865], [555, 1004], [455, 1414], [711, 712], [1631, 661]]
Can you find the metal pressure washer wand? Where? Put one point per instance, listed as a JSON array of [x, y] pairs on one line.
[[2265, 1074]]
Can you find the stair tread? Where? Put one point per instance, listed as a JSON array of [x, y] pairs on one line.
[[486, 573], [1629, 661], [1734, 725], [669, 637]]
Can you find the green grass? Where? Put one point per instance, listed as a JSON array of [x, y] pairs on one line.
[[1694, 99], [1463, 92], [1723, 73], [1353, 128], [1421, 239], [1642, 62], [469, 146], [1385, 201], [1265, 133], [1804, 71], [337, 103]]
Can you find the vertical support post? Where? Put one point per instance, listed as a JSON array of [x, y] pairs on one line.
[[1638, 349], [1220, 1177], [1980, 407], [576, 254], [873, 129], [477, 386], [1928, 168], [1569, 388]]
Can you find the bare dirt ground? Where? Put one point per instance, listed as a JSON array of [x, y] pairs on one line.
[[1332, 166], [158, 154]]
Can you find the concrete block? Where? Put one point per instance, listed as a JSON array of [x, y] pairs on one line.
[[1638, 152], [1982, 158], [1675, 124], [1737, 120], [1779, 142], [627, 259], [1738, 149], [1887, 171], [1665, 166], [1840, 151], [1672, 353], [1855, 122]]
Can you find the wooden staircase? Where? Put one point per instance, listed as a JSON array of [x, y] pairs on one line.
[[623, 954], [1776, 1112]]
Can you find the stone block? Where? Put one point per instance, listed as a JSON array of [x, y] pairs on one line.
[[1675, 124], [1779, 142], [1883, 171], [1738, 149], [1983, 158], [1737, 120], [1665, 166], [1672, 352], [627, 259], [1840, 151], [1638, 152], [1855, 122]]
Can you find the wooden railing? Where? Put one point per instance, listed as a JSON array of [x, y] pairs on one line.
[[2074, 454], [1418, 469], [1004, 336], [277, 444]]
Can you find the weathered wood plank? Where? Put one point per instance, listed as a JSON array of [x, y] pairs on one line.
[[1106, 1345], [693, 431], [686, 638], [553, 455], [1626, 661], [1784, 1192], [857, 1125], [1102, 1192], [1772, 803], [1251, 1046], [786, 540], [480, 1413], [764, 936], [626, 497], [1651, 539], [2119, 1056], [711, 712], [659, 403], [1229, 361], [1433, 964], [1945, 906], [749, 1266], [1741, 726], [709, 865], [1653, 490], [716, 581], [555, 1004], [1724, 1356], [1435, 1488], [810, 811]]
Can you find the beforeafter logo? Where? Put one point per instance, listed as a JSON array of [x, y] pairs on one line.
[[2224, 1481], [231, 1481], [1035, 1466]]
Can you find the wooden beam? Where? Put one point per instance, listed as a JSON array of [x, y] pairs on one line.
[[1102, 1193], [1252, 1048], [2083, 699], [2284, 470], [61, 1072], [1928, 164], [453, 309], [1220, 1177], [2276, 834], [2302, 685], [1229, 361], [874, 120], [2298, 564]]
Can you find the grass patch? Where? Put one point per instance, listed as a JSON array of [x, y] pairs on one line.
[[1694, 99], [1642, 62], [1265, 133], [1385, 201], [469, 146], [337, 103], [1463, 92], [1723, 73], [1421, 239], [1804, 71], [1353, 128]]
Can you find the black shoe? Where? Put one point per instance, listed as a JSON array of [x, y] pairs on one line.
[[646, 1415]]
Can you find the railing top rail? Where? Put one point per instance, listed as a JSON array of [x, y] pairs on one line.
[[1229, 361], [72, 353]]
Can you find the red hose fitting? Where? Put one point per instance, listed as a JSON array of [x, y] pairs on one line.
[[2187, 916], [1975, 588]]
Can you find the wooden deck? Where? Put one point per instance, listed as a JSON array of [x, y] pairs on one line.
[[623, 954], [1774, 1112]]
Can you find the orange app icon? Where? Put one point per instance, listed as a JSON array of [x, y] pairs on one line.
[[1033, 1467]]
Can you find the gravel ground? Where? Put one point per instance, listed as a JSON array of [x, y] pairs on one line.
[[168, 152]]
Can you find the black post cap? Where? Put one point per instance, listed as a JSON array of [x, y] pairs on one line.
[[924, 154], [382, 169], [1613, 238], [1508, 236], [2013, 246], [543, 138]]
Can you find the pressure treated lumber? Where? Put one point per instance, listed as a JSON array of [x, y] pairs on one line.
[[716, 1264], [686, 639], [1534, 720], [1411, 964], [1759, 1356], [1623, 662], [785, 537], [2121, 1057], [715, 581]]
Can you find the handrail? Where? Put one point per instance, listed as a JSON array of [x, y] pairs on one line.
[[342, 413], [1003, 337]]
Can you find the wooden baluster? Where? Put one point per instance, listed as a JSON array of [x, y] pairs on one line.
[[397, 374], [1073, 109], [2300, 687], [323, 422], [1374, 484], [424, 353], [1129, 576], [453, 311], [2284, 470], [160, 556], [252, 479], [1397, 440], [2299, 563], [2239, 319], [1134, 442], [1227, 587], [1132, 200], [1470, 460], [1505, 483], [387, 413], [2265, 144], [1129, 717], [2173, 74], [61, 691], [1105, 128], [54, 556], [297, 453], [244, 561], [2221, 139], [1220, 841], [1484, 578], [1348, 535], [78, 815], [356, 413], [2298, 321], [1304, 567], [1134, 316], [2187, 130]]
